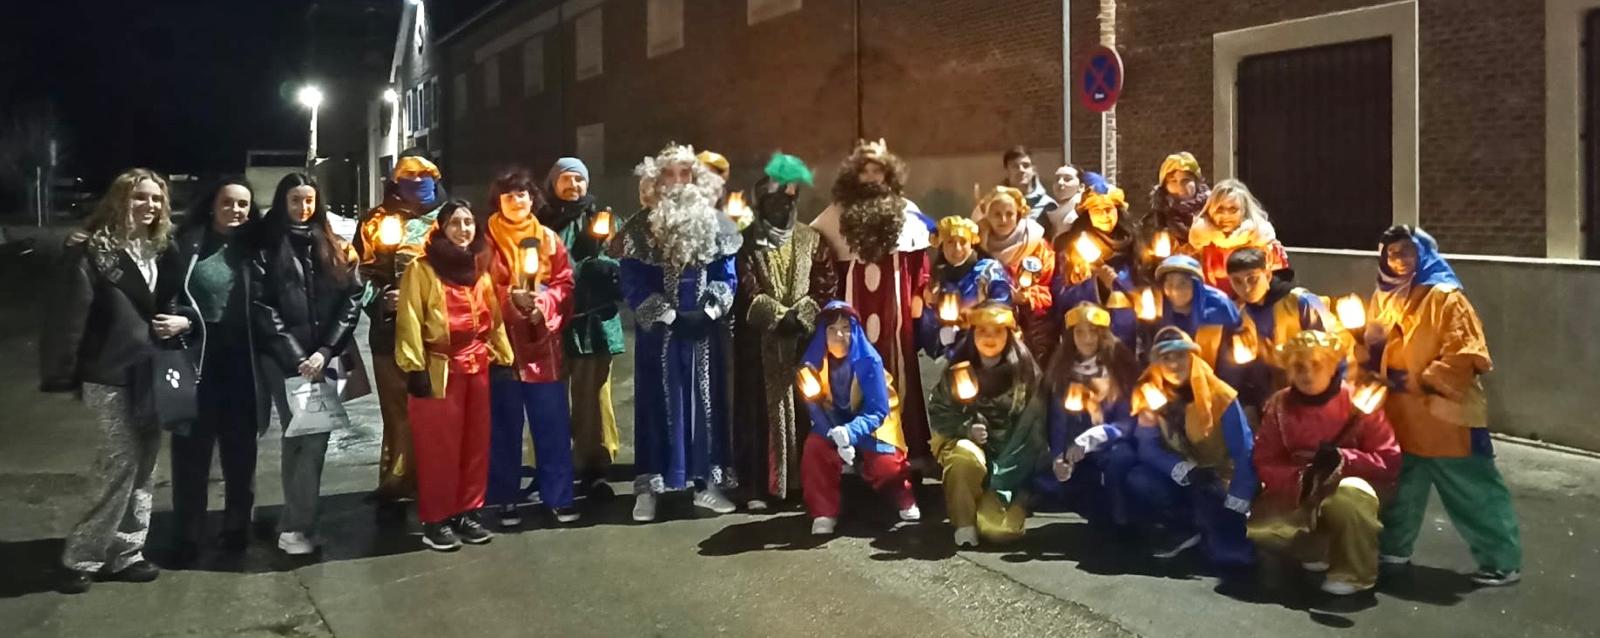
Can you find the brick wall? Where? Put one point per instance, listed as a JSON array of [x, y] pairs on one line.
[[953, 82], [1482, 148]]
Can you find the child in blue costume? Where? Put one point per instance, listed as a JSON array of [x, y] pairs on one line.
[[855, 421], [959, 269], [1102, 230], [1089, 420]]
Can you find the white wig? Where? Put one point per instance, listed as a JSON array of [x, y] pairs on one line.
[[685, 227]]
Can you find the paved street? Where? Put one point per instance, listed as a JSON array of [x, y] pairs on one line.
[[738, 575]]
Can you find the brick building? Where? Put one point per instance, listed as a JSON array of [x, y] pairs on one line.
[[1345, 115]]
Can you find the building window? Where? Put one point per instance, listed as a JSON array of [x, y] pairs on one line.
[[591, 144], [664, 27], [413, 104], [762, 10], [1315, 141], [491, 82], [460, 95], [430, 103], [587, 35], [533, 66]]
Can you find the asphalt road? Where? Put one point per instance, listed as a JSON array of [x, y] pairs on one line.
[[742, 575]]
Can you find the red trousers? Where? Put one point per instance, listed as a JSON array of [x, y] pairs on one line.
[[819, 476], [450, 441]]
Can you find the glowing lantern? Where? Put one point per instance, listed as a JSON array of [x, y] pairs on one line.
[[1074, 399], [810, 385], [1154, 398], [390, 231], [1088, 251], [1148, 310], [1242, 352], [1025, 279], [530, 261], [949, 308], [1351, 313], [600, 227], [737, 210], [1162, 246], [963, 383], [1369, 398]]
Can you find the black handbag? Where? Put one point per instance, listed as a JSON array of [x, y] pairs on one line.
[[174, 384]]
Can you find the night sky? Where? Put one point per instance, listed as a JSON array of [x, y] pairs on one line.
[[184, 86]]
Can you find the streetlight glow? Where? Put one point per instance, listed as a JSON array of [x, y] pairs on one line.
[[390, 96], [310, 97]]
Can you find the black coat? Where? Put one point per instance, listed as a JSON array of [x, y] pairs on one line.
[[206, 348], [303, 304], [96, 325]]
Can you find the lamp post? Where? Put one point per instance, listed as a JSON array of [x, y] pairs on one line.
[[311, 97]]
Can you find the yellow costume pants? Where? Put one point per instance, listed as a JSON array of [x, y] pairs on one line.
[[594, 422], [397, 473], [966, 500], [1342, 530]]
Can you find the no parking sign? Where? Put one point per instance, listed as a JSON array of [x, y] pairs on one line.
[[1100, 80]]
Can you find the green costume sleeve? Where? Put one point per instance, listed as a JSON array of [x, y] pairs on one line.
[[946, 417], [1015, 460]]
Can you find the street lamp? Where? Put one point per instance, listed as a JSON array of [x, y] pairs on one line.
[[390, 96], [311, 97]]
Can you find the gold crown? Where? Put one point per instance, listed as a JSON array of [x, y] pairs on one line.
[[872, 149], [1089, 312], [992, 315]]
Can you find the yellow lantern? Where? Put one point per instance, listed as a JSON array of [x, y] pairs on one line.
[[737, 210], [810, 384], [1370, 397], [600, 226], [1148, 310], [963, 382], [1088, 251], [1025, 279], [1154, 398], [1162, 245], [1242, 352], [391, 230], [1351, 313], [949, 308], [1074, 399], [530, 261]]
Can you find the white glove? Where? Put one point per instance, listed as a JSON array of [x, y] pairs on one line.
[[1236, 504], [839, 436], [847, 454], [1180, 472], [1092, 438], [947, 336]]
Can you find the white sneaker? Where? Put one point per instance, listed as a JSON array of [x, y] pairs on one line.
[[1315, 567], [296, 544], [911, 514], [1179, 548], [1387, 559], [1340, 587], [967, 537], [644, 507], [712, 499], [822, 526], [756, 505], [509, 516]]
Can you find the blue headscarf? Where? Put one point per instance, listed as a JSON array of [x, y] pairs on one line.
[[863, 358], [1432, 269]]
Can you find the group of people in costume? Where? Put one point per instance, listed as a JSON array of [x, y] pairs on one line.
[[1162, 377]]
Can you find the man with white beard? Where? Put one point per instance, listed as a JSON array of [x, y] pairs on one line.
[[678, 277]]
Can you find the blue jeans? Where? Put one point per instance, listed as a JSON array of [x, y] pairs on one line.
[[543, 406]]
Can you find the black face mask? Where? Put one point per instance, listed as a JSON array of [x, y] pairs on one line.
[[777, 208]]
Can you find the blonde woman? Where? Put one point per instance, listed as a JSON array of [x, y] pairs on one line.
[[102, 325], [1233, 219]]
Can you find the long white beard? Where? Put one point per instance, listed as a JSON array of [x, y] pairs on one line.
[[684, 227]]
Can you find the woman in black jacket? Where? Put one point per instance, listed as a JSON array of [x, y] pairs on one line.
[[100, 329], [213, 282], [305, 310]]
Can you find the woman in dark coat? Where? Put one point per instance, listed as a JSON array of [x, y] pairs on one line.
[[101, 326], [305, 311], [212, 283]]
